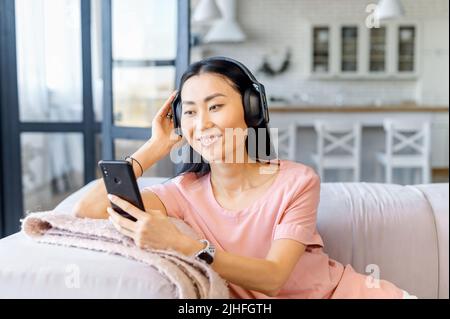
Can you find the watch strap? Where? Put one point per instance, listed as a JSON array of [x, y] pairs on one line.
[[207, 253]]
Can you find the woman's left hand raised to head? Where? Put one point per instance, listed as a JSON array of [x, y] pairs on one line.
[[152, 230]]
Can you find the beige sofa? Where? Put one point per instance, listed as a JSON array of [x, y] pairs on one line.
[[399, 233]]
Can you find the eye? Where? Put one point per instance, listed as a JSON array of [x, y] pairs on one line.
[[215, 107], [188, 112]]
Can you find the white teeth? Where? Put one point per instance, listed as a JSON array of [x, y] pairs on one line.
[[208, 140]]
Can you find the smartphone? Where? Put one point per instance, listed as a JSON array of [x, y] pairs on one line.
[[120, 180]]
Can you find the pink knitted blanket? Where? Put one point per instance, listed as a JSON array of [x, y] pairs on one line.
[[192, 278]]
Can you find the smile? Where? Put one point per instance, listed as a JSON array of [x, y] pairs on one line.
[[209, 139]]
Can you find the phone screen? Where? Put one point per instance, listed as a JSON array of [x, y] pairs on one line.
[[120, 180]]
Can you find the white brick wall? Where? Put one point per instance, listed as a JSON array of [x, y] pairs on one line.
[[273, 25]]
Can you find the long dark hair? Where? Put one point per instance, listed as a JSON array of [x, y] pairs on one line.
[[240, 82]]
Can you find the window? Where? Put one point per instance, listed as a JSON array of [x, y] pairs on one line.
[[48, 41], [60, 86], [52, 168], [144, 52]]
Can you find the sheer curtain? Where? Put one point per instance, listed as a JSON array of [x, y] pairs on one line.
[[50, 87], [33, 93]]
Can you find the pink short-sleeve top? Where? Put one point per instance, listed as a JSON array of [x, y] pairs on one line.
[[287, 209]]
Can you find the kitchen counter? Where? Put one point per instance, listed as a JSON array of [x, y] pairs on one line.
[[276, 108], [371, 119]]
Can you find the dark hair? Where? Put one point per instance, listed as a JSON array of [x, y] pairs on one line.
[[240, 82]]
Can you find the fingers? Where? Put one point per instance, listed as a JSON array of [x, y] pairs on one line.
[[128, 207], [121, 221], [167, 105], [122, 229]]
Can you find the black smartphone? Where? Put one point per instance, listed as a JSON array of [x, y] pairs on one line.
[[120, 180]]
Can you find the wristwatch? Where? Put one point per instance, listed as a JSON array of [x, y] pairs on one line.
[[207, 253]]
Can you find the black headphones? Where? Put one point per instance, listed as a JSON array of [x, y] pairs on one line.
[[254, 99]]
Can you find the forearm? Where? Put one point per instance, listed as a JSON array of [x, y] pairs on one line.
[[147, 155], [95, 202], [249, 273]]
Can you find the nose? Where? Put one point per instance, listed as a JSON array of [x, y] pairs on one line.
[[203, 121]]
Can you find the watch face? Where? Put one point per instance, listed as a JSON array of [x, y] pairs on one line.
[[206, 257]]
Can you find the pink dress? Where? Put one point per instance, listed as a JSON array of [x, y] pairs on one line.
[[288, 209]]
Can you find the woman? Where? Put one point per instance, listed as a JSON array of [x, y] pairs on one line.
[[261, 221]]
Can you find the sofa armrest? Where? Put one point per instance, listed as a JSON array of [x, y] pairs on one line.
[[437, 195]]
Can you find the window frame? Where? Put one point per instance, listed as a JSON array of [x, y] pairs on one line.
[[11, 196], [110, 131]]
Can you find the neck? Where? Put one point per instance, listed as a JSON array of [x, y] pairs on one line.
[[232, 179]]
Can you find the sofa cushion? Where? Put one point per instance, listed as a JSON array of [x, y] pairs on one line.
[[382, 228], [32, 270]]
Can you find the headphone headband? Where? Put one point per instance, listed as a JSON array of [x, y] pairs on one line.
[[256, 85], [239, 64]]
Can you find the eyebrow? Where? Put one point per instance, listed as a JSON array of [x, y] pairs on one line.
[[208, 98]]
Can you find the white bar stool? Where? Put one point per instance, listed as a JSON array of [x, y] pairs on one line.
[[338, 147], [286, 142], [407, 147]]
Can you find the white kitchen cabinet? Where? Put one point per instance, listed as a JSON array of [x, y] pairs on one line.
[[350, 50]]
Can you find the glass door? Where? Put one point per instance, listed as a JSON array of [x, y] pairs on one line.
[[48, 126], [50, 88]]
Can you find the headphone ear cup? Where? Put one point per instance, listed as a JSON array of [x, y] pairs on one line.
[[176, 111], [252, 108]]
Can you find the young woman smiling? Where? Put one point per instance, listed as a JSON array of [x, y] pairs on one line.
[[262, 222]]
